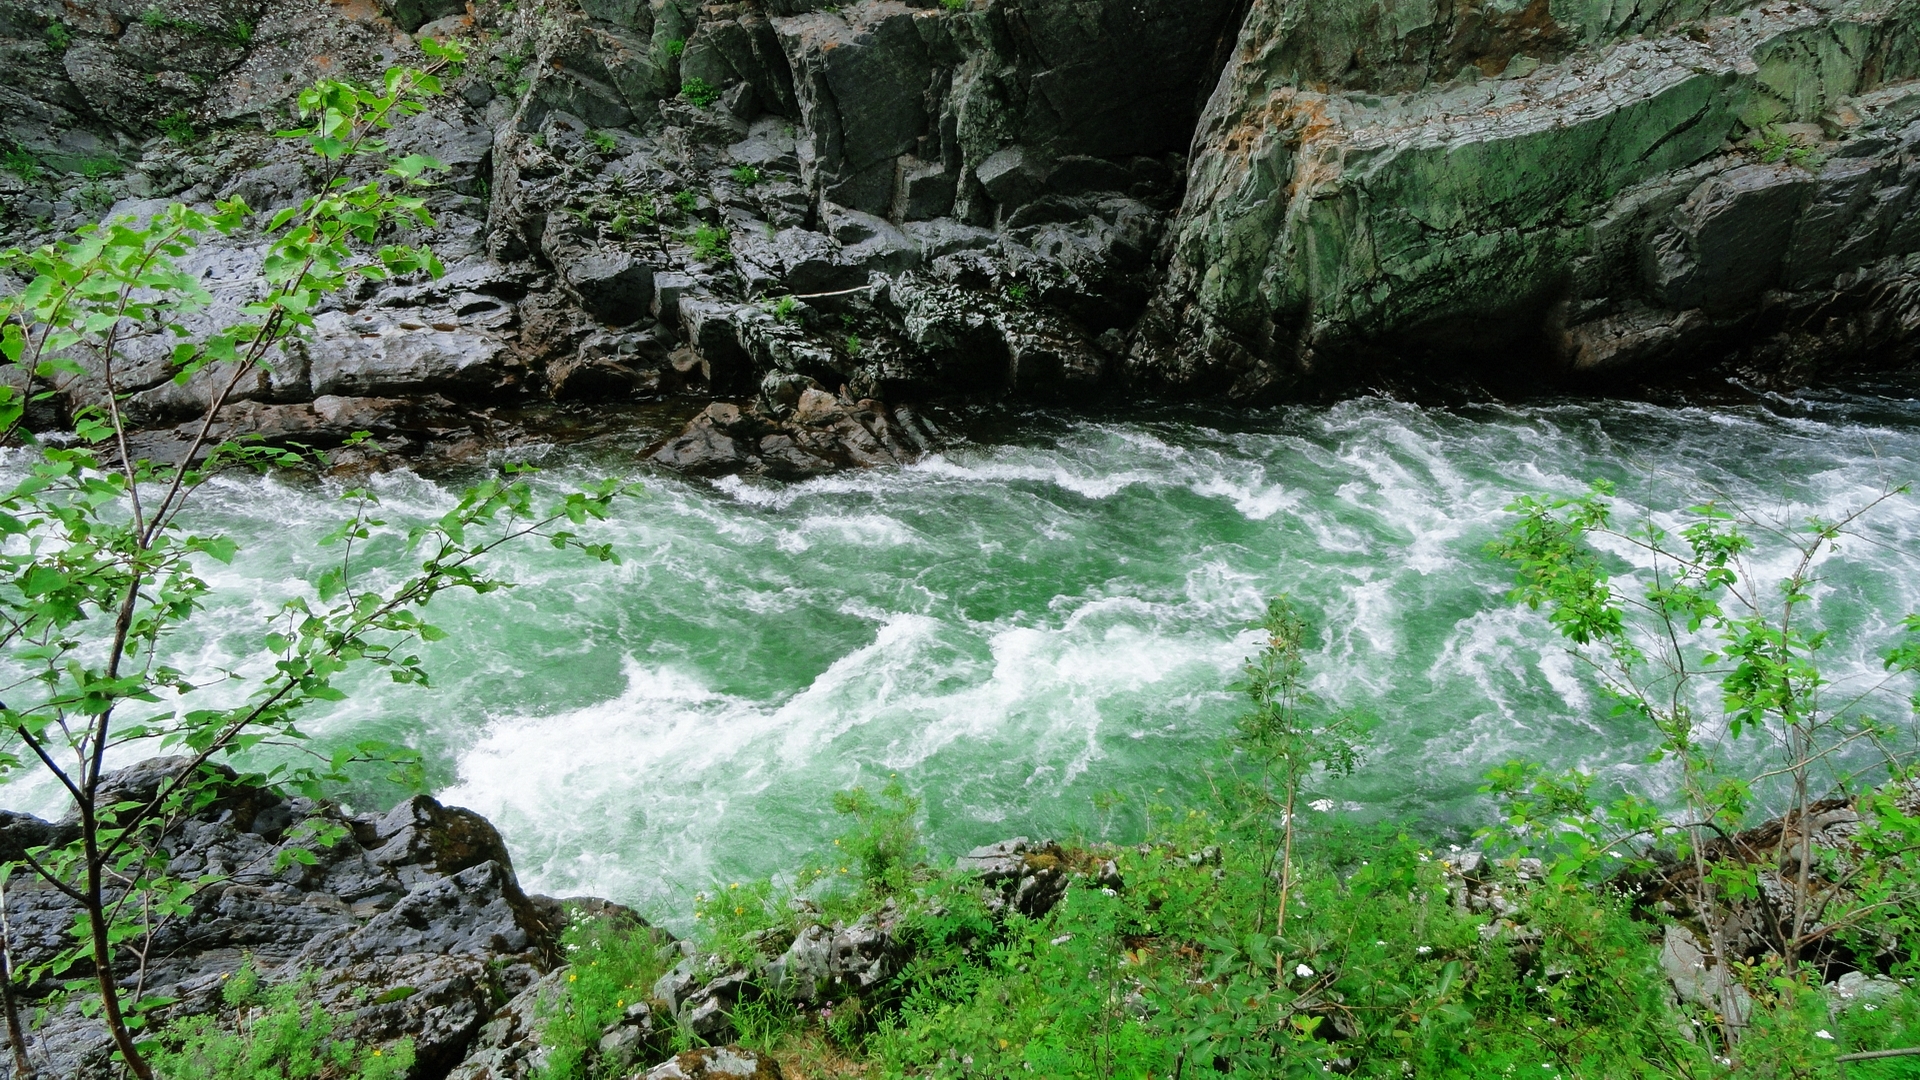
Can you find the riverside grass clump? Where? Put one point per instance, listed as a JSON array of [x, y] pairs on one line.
[[1262, 932]]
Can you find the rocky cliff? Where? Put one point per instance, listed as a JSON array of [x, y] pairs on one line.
[[832, 209]]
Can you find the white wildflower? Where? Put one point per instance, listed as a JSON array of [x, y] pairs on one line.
[[1303, 971], [1424, 949], [1823, 1033]]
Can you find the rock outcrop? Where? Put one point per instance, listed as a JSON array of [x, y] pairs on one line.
[[1572, 189], [1049, 199], [411, 924]]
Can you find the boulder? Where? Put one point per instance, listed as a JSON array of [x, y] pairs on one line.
[[716, 1063]]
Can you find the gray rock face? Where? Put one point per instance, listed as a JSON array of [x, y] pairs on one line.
[[999, 199], [421, 898], [829, 964], [1024, 875], [715, 1063]]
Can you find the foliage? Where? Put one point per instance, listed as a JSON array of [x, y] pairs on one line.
[[954, 5], [746, 175], [100, 570], [709, 243], [277, 1033], [884, 842], [1772, 143], [59, 37], [611, 967], [603, 141], [676, 47], [1285, 738], [686, 201], [783, 309], [699, 91], [20, 161], [179, 128], [1694, 620]]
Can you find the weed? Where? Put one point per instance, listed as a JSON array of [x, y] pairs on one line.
[[746, 175], [783, 309], [179, 128], [709, 244], [954, 5], [699, 91], [95, 168], [282, 1033], [603, 141], [155, 19], [20, 161], [676, 47], [884, 842], [240, 34], [58, 36], [1017, 293], [854, 345], [1773, 143], [686, 201], [614, 965]]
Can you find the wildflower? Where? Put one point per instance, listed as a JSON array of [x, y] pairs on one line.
[[735, 885], [739, 911], [1322, 805], [376, 1051], [572, 977], [1424, 949], [1303, 971], [1823, 1033]]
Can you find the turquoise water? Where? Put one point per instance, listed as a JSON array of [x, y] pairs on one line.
[[1020, 626]]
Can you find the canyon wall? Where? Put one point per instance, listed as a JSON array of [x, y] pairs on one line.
[[792, 202]]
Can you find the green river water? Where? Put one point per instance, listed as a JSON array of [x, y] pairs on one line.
[[1028, 623]]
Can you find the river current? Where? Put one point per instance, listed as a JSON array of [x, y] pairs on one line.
[[1037, 631]]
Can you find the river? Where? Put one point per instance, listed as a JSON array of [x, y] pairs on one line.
[[1037, 630]]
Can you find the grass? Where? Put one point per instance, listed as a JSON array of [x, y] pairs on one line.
[[20, 161], [709, 243], [179, 128], [700, 92], [276, 1033]]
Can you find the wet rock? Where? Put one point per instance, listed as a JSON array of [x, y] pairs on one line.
[[823, 432]]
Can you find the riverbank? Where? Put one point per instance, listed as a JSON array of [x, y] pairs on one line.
[[1020, 957]]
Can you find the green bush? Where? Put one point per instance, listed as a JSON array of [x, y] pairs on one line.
[[884, 843], [276, 1033], [699, 91], [746, 175]]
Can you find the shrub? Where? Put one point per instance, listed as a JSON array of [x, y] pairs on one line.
[[884, 842], [699, 91]]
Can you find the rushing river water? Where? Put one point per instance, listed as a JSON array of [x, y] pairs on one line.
[[1024, 626]]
